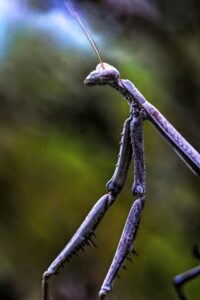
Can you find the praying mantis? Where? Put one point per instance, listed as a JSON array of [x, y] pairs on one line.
[[131, 147]]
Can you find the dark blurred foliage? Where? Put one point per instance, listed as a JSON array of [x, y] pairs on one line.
[[8, 289], [59, 143]]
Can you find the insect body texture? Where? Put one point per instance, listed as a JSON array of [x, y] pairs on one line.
[[131, 148]]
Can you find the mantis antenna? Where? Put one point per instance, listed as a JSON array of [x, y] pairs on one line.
[[88, 35]]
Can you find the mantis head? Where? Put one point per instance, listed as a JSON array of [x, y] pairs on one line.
[[104, 74]]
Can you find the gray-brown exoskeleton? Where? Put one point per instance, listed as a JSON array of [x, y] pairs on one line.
[[131, 147]]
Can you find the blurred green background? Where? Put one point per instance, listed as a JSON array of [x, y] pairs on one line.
[[59, 142]]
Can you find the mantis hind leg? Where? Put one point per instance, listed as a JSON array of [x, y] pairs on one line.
[[182, 279]]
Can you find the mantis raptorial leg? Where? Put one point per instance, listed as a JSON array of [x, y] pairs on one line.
[[126, 243], [84, 234], [132, 144]]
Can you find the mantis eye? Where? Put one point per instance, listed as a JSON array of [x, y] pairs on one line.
[[103, 75], [108, 71]]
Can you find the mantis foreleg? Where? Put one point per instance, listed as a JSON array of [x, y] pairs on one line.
[[86, 230], [132, 224]]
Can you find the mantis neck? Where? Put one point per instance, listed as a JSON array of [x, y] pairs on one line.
[[127, 89], [118, 86]]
